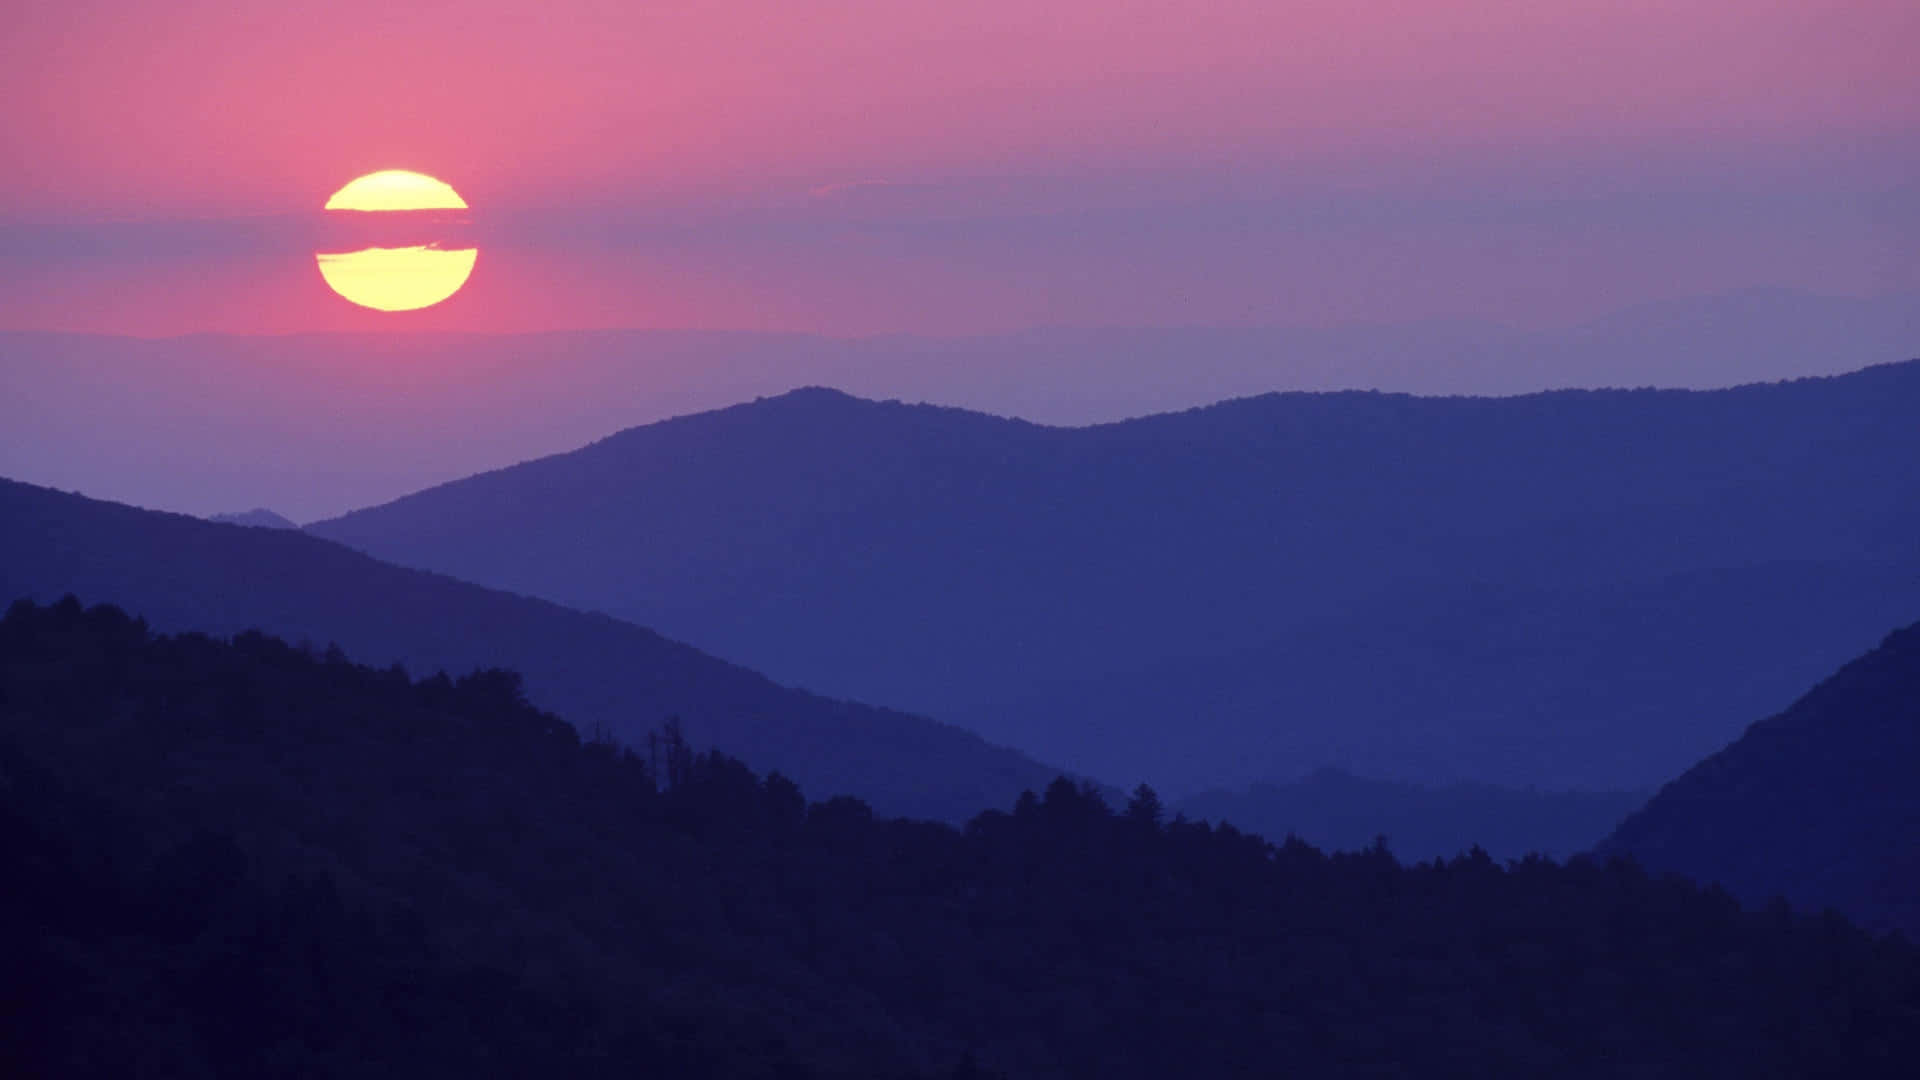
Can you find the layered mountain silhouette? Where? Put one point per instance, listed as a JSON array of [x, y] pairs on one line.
[[1338, 811], [1579, 589], [1818, 804], [610, 677]]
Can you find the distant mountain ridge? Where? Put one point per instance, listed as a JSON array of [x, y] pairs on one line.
[[606, 676], [1576, 589], [364, 418], [259, 517], [1819, 804]]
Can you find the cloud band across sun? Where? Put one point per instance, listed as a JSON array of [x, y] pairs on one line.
[[404, 276]]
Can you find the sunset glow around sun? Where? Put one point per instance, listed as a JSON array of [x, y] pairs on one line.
[[402, 277]]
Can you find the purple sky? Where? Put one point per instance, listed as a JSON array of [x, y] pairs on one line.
[[871, 166], [1440, 196]]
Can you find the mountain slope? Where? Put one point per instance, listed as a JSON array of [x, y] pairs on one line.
[[1819, 803], [1000, 574], [604, 674], [237, 859]]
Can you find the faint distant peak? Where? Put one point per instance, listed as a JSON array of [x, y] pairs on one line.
[[818, 406], [815, 404], [259, 517], [813, 395], [806, 404]]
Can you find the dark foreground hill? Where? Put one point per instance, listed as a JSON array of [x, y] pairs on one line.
[[243, 859], [605, 674], [1581, 589], [1820, 804], [1334, 809]]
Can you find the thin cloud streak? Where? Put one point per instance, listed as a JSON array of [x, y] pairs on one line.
[[974, 258]]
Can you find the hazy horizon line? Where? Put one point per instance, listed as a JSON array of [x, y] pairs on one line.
[[1481, 322]]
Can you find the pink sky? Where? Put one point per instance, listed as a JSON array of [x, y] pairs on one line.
[[863, 166]]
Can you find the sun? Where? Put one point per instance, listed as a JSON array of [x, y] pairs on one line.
[[402, 277], [396, 189]]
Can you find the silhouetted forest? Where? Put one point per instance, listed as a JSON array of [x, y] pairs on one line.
[[1571, 590], [1820, 804], [241, 858], [602, 674]]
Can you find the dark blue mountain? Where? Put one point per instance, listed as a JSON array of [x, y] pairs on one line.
[[1819, 804], [1580, 589]]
